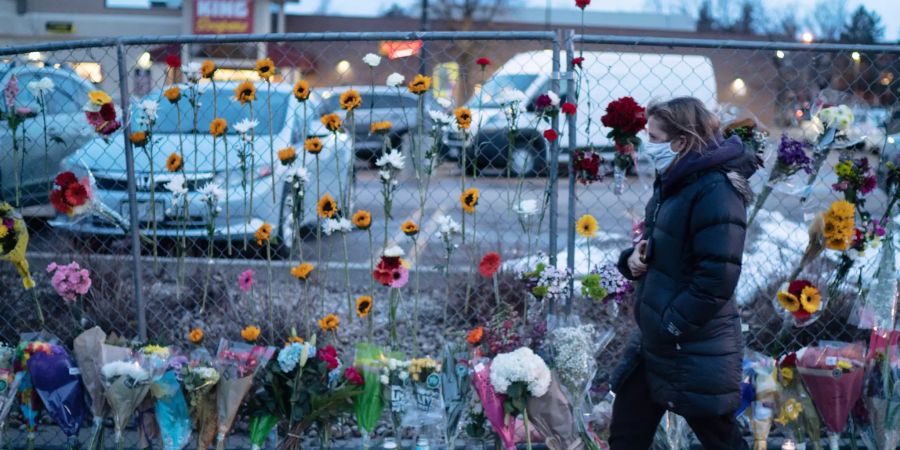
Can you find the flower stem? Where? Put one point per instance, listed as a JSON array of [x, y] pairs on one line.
[[271, 137], [527, 432], [416, 301], [269, 291], [347, 277], [249, 213]]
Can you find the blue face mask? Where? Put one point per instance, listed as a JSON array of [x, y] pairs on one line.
[[660, 154]]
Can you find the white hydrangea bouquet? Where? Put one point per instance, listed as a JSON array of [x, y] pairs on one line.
[[519, 375], [125, 383]]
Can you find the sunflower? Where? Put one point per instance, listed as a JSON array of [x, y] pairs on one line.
[[586, 226], [245, 92], [196, 336], [362, 219], [293, 340], [139, 138], [332, 122], [463, 118], [409, 228], [287, 155], [313, 145], [474, 337], [327, 207], [810, 299], [208, 69], [99, 98], [265, 68], [329, 322], [843, 209], [301, 90], [350, 99], [363, 306], [789, 301], [174, 162], [250, 333], [381, 127], [302, 271], [787, 376], [218, 127], [173, 94], [263, 233], [420, 84], [469, 199]]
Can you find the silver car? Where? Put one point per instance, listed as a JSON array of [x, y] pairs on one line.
[[67, 130], [106, 162]]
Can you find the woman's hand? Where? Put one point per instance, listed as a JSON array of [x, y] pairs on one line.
[[635, 264]]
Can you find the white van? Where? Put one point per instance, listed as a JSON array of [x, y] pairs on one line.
[[605, 77]]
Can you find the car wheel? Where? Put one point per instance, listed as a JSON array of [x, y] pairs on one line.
[[289, 235]]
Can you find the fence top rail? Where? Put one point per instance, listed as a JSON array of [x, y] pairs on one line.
[[733, 44], [283, 37]]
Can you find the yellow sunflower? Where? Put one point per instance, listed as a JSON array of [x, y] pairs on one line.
[[174, 163], [313, 145], [207, 69], [329, 323], [293, 340], [843, 209], [250, 333], [263, 233], [99, 98], [4, 231], [302, 271], [173, 94], [327, 207], [420, 84], [332, 122], [245, 92], [380, 127], [265, 68], [789, 301], [301, 90], [810, 299], [463, 118], [362, 219], [409, 228], [139, 138], [287, 155], [218, 127], [196, 336], [469, 199], [787, 376], [586, 226], [363, 306], [350, 99]]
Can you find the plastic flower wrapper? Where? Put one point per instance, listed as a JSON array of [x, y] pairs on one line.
[[13, 245], [554, 418], [237, 363], [809, 426], [29, 400], [673, 433], [799, 302], [424, 389], [759, 373], [833, 124], [126, 385], [172, 414], [834, 373], [790, 159], [370, 403], [7, 354], [55, 377], [394, 378], [520, 375], [877, 307], [73, 196], [7, 399], [200, 380], [626, 118], [281, 394], [882, 392], [87, 347], [492, 405], [456, 389]]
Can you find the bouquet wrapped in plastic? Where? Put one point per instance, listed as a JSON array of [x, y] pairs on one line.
[[492, 405], [800, 302], [126, 384], [13, 245], [626, 118], [790, 158], [55, 377], [794, 397], [424, 389], [200, 380], [9, 384], [88, 350], [456, 390], [30, 404], [834, 373], [882, 395], [171, 409], [760, 375], [394, 379], [673, 433], [237, 364], [371, 402], [74, 197]]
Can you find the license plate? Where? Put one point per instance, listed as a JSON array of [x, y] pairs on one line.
[[145, 211]]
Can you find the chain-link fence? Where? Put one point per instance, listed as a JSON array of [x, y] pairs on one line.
[[189, 265]]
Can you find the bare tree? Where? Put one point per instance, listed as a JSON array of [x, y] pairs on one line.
[[828, 19]]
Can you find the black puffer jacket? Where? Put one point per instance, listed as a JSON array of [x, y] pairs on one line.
[[690, 342]]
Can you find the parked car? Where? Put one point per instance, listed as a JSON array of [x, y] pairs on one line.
[[607, 77], [400, 107], [107, 164], [67, 130]]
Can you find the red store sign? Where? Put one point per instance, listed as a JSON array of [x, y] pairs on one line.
[[223, 16]]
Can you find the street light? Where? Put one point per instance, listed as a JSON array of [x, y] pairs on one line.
[[855, 56], [35, 56], [343, 66], [144, 62], [779, 54], [807, 37]]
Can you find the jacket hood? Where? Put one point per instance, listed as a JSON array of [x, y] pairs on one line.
[[728, 155]]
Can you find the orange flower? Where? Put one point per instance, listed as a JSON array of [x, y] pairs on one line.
[[301, 90], [409, 228], [332, 122], [263, 233], [250, 333], [139, 138], [218, 127], [302, 271], [173, 94], [207, 69], [327, 207], [265, 68], [380, 127], [174, 163], [463, 118], [287, 155], [474, 337], [196, 336], [419, 85], [469, 199], [313, 145], [363, 306], [245, 92], [293, 340], [362, 219], [350, 99], [329, 322]]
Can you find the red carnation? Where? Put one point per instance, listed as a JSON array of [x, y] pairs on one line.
[[65, 178], [58, 202], [352, 375], [868, 184], [173, 61], [329, 355], [483, 62], [489, 265], [625, 116], [796, 287], [582, 3], [76, 194], [550, 135], [568, 108], [108, 112], [577, 61], [587, 166], [386, 270]]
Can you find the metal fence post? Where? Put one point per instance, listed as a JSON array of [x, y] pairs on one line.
[[573, 128], [132, 195], [554, 165]]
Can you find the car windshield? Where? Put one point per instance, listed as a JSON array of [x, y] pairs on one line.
[[497, 89], [228, 109]]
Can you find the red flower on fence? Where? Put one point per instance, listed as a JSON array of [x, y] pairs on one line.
[[173, 61], [483, 62], [551, 135], [582, 3], [489, 265], [568, 108]]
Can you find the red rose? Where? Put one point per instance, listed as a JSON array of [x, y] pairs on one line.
[[789, 360], [587, 166], [76, 194], [543, 102], [58, 201], [173, 61], [796, 287], [329, 355], [489, 265], [65, 178], [625, 117], [582, 3], [550, 135], [568, 108], [483, 62], [577, 61], [353, 376]]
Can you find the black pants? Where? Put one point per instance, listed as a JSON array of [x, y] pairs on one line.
[[636, 417]]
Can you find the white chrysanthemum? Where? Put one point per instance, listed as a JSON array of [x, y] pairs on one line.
[[395, 80], [191, 72], [444, 102], [245, 125], [439, 117], [520, 365], [384, 379], [372, 60], [40, 87], [299, 174], [511, 96], [124, 369], [392, 159], [447, 226], [207, 373], [527, 207], [336, 226], [150, 109], [176, 185], [211, 193], [554, 99], [393, 252]]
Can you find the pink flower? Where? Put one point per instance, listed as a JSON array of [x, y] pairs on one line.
[[246, 281], [401, 277], [353, 376], [868, 184], [11, 92], [69, 281]]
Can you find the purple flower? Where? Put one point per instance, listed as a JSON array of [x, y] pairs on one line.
[[616, 285], [11, 92], [868, 184], [8, 223], [792, 155]]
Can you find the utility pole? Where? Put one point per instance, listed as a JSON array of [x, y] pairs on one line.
[[423, 27]]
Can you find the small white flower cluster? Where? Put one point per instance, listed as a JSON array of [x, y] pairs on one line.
[[176, 186], [520, 366], [131, 370], [395, 80], [527, 207], [149, 112], [41, 87], [840, 117], [298, 176], [388, 164], [393, 251], [211, 194], [556, 281], [394, 368], [244, 127], [191, 72], [372, 60], [205, 373], [573, 355], [440, 118], [447, 226], [341, 225]]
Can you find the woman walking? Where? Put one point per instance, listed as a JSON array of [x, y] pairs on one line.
[[686, 358]]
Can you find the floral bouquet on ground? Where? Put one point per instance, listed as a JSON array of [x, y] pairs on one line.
[[280, 396], [172, 414], [456, 390], [760, 379], [87, 348], [55, 377], [237, 364], [626, 118], [790, 159], [520, 375], [9, 382], [394, 378], [882, 397], [808, 426], [200, 380], [29, 400], [834, 373], [799, 301], [126, 385], [427, 408], [492, 404]]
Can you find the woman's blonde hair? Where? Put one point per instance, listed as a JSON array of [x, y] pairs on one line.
[[686, 117]]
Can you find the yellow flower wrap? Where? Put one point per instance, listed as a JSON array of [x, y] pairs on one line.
[[17, 255]]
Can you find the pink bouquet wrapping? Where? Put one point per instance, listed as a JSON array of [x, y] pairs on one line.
[[237, 363], [833, 373], [492, 403]]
